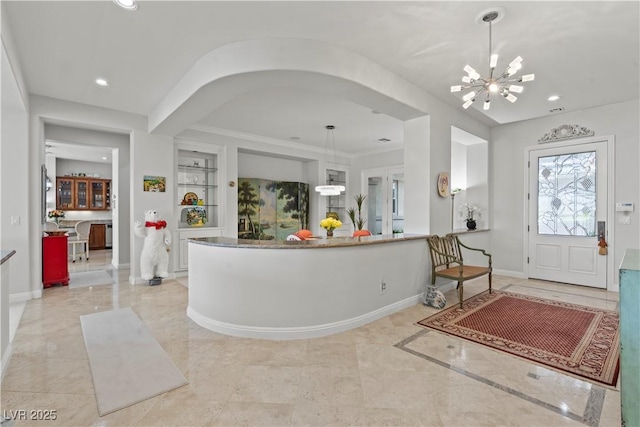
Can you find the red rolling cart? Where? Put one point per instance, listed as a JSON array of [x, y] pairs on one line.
[[54, 261]]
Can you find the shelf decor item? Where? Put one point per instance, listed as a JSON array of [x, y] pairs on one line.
[[469, 210], [190, 199], [194, 217], [330, 224], [56, 214]]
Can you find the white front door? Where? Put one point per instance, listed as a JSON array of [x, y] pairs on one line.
[[567, 212]]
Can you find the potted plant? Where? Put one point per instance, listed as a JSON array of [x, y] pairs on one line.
[[355, 214], [467, 211]]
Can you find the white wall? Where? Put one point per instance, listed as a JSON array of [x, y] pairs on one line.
[[371, 161], [66, 167], [150, 155], [458, 177], [507, 175], [470, 171], [15, 178], [427, 152], [269, 167]]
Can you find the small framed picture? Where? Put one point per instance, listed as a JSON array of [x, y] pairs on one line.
[[156, 184]]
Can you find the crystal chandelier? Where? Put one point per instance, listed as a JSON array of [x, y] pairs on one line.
[[329, 190], [500, 85]]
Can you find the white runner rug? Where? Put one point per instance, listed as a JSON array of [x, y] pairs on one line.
[[127, 363], [89, 278]]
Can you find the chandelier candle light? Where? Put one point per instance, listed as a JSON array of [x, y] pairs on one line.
[[329, 190], [501, 84]]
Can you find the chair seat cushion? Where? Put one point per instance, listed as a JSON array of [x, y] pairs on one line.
[[468, 272]]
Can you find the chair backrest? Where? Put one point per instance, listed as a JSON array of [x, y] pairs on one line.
[[449, 245], [82, 230], [50, 226]]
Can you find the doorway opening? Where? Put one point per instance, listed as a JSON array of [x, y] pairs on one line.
[[384, 188], [84, 179]]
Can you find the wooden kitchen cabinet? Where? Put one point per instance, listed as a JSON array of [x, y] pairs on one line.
[[98, 236], [83, 193]]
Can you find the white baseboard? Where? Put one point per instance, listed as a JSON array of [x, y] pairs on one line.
[[5, 360], [302, 332], [509, 273], [447, 286], [25, 296]]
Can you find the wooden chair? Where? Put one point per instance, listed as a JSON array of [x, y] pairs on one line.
[[447, 262]]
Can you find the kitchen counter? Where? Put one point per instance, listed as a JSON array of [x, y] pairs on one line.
[[269, 290], [71, 223], [5, 255], [313, 243], [5, 345]]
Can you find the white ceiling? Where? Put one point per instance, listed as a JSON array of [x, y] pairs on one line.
[[586, 52]]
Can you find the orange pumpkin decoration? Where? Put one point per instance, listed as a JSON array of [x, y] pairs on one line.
[[304, 234], [359, 233]]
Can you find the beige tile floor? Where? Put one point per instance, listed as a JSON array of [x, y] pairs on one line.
[[387, 373]]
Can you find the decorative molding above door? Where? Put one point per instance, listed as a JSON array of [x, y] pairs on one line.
[[565, 132]]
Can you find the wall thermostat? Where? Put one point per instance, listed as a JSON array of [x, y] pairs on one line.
[[624, 207]]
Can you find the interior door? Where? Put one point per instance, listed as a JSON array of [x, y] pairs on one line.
[[385, 200], [376, 202], [567, 213]]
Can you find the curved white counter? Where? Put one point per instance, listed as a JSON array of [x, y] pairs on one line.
[[295, 290]]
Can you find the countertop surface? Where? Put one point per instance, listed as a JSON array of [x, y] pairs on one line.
[[631, 260], [5, 255], [315, 243], [71, 223]]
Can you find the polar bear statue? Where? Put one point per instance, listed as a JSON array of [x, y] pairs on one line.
[[154, 259]]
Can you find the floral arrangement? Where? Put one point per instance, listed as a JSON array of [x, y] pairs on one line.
[[330, 224], [56, 214], [468, 210]]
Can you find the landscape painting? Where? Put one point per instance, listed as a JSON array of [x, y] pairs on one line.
[[270, 210]]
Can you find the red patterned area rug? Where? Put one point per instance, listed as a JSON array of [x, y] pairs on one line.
[[574, 339]]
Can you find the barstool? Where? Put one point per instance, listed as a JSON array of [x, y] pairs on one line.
[[81, 238]]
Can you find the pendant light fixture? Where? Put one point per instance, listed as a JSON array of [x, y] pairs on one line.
[[329, 190], [500, 85]]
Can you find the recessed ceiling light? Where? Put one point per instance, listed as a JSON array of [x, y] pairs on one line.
[[104, 158], [384, 140], [127, 4], [553, 98], [102, 82]]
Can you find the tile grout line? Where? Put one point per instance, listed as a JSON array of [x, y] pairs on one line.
[[591, 421]]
